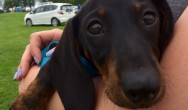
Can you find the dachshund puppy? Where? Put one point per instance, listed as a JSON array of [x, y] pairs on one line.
[[123, 39]]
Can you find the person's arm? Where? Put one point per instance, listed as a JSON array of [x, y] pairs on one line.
[[38, 40], [54, 103]]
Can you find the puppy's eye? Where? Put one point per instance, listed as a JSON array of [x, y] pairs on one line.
[[149, 18], [95, 28]]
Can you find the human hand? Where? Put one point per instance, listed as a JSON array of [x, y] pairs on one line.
[[38, 41]]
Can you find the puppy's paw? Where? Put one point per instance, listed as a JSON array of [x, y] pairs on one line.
[[18, 104]]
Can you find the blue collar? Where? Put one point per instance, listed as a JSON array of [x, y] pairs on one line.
[[89, 66]]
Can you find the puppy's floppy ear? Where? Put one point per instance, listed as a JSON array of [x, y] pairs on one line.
[[68, 76], [166, 23]]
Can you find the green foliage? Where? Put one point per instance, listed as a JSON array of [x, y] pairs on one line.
[[75, 2], [16, 3], [23, 3], [13, 40], [10, 3]]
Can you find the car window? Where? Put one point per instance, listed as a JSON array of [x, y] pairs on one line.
[[67, 8], [50, 7], [39, 9]]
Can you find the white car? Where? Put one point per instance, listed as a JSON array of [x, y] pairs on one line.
[[27, 9], [53, 13]]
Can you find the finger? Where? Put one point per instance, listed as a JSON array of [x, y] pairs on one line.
[[57, 33], [39, 40], [36, 46], [26, 61], [25, 64]]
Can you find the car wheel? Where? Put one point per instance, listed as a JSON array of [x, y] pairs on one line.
[[55, 22], [29, 22]]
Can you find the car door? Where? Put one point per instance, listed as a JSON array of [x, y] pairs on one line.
[[37, 17], [68, 11], [48, 14]]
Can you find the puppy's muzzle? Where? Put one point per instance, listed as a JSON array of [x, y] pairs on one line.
[[142, 86]]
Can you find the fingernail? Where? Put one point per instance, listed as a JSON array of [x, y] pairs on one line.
[[15, 76], [18, 74], [50, 52], [36, 60]]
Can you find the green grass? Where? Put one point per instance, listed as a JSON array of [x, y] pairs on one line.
[[14, 36]]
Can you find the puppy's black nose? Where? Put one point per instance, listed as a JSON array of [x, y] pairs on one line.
[[141, 86]]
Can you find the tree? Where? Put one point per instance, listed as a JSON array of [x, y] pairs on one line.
[[79, 1], [75, 2], [23, 3], [10, 3]]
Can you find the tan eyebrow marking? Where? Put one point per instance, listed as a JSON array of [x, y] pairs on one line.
[[137, 6], [101, 12]]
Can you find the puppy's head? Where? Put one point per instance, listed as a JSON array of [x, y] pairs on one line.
[[124, 39]]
